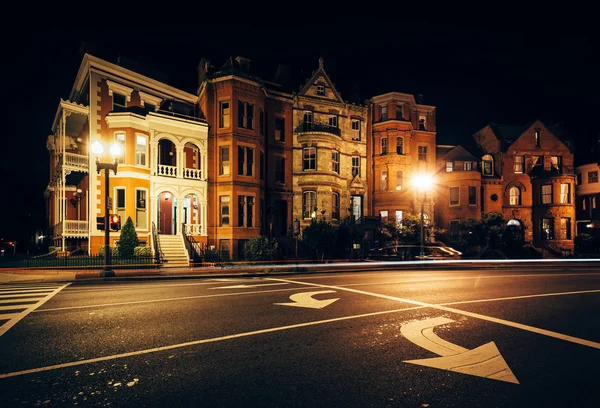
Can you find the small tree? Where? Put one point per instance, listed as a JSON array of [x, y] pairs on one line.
[[128, 240], [348, 234], [261, 249], [319, 236]]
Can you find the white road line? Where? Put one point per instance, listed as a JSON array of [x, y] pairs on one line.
[[12, 307], [525, 327], [197, 342], [79, 289], [520, 297], [20, 300], [166, 299], [7, 296], [4, 292], [18, 316]]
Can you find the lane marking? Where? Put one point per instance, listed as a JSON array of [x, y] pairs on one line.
[[243, 286], [164, 300], [305, 299], [483, 361], [138, 286], [525, 327], [16, 317], [197, 342]]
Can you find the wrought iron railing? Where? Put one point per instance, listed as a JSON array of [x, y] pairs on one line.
[[158, 258], [193, 247], [318, 127]]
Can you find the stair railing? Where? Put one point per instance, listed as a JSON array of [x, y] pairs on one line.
[[158, 255], [191, 245]]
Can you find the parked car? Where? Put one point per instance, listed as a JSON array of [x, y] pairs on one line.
[[413, 252]]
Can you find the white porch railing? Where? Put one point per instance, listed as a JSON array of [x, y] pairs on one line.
[[71, 229], [166, 170], [193, 229], [195, 174], [79, 161]]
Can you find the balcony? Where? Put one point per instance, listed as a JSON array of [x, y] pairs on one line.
[[317, 127], [166, 170], [71, 229]]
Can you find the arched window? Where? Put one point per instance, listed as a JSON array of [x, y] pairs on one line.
[[515, 196]]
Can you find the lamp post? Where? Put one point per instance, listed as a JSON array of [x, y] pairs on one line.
[[115, 151], [423, 183]]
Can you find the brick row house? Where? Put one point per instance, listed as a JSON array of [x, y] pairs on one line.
[[245, 157]]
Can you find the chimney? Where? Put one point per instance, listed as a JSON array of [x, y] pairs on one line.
[[244, 63], [203, 67]]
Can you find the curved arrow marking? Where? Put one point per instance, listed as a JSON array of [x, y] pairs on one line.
[[483, 361], [305, 299]]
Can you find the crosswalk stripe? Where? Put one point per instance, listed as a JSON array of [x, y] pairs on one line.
[[20, 300], [2, 292], [14, 318]]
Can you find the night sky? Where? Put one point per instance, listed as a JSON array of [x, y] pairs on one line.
[[475, 74]]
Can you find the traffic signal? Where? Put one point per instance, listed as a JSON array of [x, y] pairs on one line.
[[100, 223], [115, 222]]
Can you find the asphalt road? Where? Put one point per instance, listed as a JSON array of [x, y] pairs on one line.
[[526, 337]]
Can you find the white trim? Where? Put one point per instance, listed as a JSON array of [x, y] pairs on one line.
[[118, 88], [151, 99]]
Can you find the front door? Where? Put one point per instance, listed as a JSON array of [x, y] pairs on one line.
[[165, 213]]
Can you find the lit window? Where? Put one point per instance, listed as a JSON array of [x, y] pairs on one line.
[[565, 228], [141, 220], [384, 145], [454, 195], [515, 196], [547, 228], [449, 167], [355, 129], [384, 184], [224, 202], [141, 148], [467, 166], [225, 115], [224, 156], [547, 194], [333, 121], [309, 158], [592, 176], [565, 193], [320, 90], [422, 153], [383, 113], [536, 135], [384, 215], [518, 164], [309, 204], [399, 145], [556, 163], [355, 166], [399, 179], [335, 161], [120, 139]]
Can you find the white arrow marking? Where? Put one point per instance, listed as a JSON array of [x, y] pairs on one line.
[[483, 361], [249, 286], [305, 299]]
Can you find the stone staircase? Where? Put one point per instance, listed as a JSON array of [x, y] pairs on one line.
[[173, 251]]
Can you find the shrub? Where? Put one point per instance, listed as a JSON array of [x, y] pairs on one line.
[[128, 240], [142, 251], [261, 249]]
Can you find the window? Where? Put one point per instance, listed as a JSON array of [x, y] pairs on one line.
[[309, 158], [355, 129], [224, 202], [333, 121], [399, 179], [467, 166], [422, 153], [547, 194], [356, 204], [320, 90], [538, 161], [518, 164], [536, 135], [578, 180], [119, 101], [488, 165], [422, 122], [141, 148], [245, 161], [335, 161], [384, 113], [355, 166], [120, 204], [515, 196], [245, 115], [224, 248], [120, 139], [308, 121], [472, 195], [224, 120], [547, 228], [454, 195], [399, 218], [453, 228], [280, 129], [262, 166], [224, 157], [384, 145], [280, 170], [449, 167], [245, 216], [148, 107], [399, 145], [141, 220], [309, 204], [593, 176], [261, 125], [556, 163], [384, 215], [384, 180], [565, 193], [335, 206], [565, 228], [399, 112]]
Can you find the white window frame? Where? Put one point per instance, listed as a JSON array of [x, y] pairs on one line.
[[141, 155]]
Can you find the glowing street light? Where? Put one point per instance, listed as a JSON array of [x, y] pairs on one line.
[[97, 149], [423, 183]]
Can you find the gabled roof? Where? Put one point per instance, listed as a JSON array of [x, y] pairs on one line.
[[312, 81], [455, 153]]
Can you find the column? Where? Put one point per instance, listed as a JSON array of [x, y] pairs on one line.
[[204, 218]]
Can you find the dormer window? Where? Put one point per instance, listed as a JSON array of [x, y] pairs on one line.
[[320, 90], [422, 122], [384, 113], [536, 135], [487, 165]]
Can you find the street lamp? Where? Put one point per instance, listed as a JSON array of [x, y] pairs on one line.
[[423, 183], [115, 151]]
